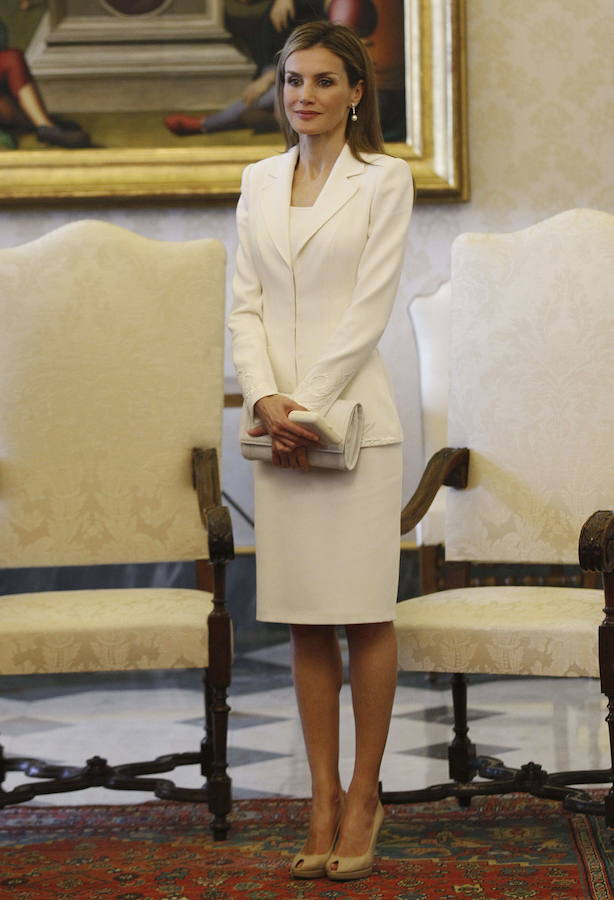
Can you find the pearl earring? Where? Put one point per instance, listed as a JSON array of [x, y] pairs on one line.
[[354, 117]]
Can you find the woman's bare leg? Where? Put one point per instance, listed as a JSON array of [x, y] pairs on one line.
[[32, 105], [318, 675], [373, 678]]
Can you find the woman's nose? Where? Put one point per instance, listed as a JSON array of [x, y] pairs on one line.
[[306, 94]]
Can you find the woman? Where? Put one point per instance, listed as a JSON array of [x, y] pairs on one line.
[[322, 232]]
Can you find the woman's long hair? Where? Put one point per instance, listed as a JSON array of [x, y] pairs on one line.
[[363, 136]]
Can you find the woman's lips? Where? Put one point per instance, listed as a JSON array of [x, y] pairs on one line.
[[306, 114]]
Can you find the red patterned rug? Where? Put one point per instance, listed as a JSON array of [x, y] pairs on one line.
[[512, 847]]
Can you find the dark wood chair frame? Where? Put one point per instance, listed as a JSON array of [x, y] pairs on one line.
[[596, 555], [212, 754]]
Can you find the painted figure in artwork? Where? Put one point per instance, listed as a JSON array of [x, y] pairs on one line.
[[22, 108], [260, 31]]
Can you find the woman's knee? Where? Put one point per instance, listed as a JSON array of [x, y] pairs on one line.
[[14, 70], [316, 644]]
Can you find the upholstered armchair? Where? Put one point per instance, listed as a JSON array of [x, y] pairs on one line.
[[111, 399], [529, 461]]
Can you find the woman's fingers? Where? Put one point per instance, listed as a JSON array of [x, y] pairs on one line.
[[282, 445], [288, 438], [302, 458], [290, 459], [273, 410], [287, 430], [258, 431]]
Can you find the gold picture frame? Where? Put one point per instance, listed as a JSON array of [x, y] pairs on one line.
[[436, 148]]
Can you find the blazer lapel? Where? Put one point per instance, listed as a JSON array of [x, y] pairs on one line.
[[277, 193], [275, 198], [339, 187]]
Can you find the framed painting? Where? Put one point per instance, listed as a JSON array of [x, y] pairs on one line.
[[172, 98]]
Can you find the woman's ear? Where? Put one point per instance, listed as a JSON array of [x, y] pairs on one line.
[[358, 92]]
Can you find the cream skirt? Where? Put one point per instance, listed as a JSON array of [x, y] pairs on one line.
[[327, 542]]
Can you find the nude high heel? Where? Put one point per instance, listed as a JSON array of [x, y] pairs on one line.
[[349, 868], [313, 865]]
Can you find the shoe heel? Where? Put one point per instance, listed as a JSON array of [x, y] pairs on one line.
[[351, 868], [313, 865]]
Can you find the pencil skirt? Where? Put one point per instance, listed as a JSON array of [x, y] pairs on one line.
[[327, 541]]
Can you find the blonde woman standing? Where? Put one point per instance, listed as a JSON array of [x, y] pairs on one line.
[[322, 231]]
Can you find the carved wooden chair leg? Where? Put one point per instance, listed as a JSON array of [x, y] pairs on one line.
[[219, 783], [461, 752], [606, 665], [596, 550], [207, 741], [205, 582], [218, 682]]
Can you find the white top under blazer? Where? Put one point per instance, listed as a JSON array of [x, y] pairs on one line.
[[307, 324]]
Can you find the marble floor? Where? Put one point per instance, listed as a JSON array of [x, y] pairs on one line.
[[557, 722]]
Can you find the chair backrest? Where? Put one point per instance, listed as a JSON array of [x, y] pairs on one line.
[[111, 371], [531, 357], [430, 315]]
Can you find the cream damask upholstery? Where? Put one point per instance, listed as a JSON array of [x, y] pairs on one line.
[[430, 316], [531, 353], [111, 374], [114, 392], [532, 320], [104, 630], [502, 630], [103, 394]]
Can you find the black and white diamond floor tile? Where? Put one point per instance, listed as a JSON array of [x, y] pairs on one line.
[[558, 722]]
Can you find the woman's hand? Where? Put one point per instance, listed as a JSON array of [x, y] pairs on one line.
[[258, 87], [282, 12], [289, 440]]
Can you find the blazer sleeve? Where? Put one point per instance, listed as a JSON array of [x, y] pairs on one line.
[[379, 271], [249, 344]]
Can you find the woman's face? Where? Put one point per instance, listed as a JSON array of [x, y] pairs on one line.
[[317, 93]]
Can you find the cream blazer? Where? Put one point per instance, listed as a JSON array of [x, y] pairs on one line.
[[309, 327]]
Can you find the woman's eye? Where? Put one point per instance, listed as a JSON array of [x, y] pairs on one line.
[[325, 82], [293, 80]]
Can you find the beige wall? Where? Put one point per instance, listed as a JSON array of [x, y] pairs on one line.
[[541, 107]]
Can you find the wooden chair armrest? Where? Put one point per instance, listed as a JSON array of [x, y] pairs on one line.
[[596, 544], [219, 534], [449, 466], [215, 517]]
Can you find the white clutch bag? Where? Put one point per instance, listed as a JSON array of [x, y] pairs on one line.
[[340, 437]]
